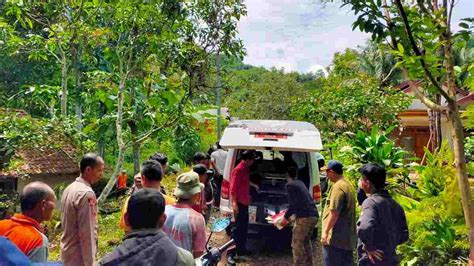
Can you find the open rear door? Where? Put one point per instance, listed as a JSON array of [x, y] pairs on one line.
[[272, 134]]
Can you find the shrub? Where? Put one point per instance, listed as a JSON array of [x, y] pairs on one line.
[[376, 147], [435, 238]]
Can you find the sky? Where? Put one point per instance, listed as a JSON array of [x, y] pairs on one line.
[[303, 35]]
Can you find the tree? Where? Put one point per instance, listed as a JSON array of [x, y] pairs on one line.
[[51, 30], [257, 93], [350, 99], [419, 34], [158, 53]]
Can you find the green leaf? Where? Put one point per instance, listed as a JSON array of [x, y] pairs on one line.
[[464, 25], [400, 48]]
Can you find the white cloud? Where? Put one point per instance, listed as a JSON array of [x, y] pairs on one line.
[[317, 68], [299, 34]]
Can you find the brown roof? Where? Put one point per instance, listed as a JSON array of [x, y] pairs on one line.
[[405, 87], [49, 160], [467, 99]]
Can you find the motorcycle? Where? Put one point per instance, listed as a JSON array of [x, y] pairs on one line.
[[213, 254]]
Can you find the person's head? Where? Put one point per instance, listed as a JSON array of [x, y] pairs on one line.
[[38, 201], [334, 170], [151, 174], [92, 167], [373, 177], [146, 209], [321, 163], [248, 156], [202, 171], [292, 172], [219, 147], [162, 159], [137, 180], [188, 188], [201, 158]]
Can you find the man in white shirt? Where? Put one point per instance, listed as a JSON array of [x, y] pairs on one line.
[[218, 159]]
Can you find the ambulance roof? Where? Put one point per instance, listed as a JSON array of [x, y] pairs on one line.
[[272, 134]]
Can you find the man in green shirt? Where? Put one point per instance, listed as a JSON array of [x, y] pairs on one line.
[[339, 236]]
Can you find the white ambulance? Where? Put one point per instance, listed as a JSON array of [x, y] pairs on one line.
[[278, 144]]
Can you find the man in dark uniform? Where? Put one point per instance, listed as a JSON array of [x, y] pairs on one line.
[[382, 225]]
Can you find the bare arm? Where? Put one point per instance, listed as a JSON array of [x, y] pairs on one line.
[[333, 216], [332, 220]]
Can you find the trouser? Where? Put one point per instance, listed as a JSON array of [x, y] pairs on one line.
[[333, 256], [217, 183], [239, 234], [208, 212], [301, 240]]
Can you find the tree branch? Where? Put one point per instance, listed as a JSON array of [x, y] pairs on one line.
[[421, 5], [450, 14], [429, 103], [168, 122], [418, 52]]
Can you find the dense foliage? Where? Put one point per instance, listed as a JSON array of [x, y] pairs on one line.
[[117, 74], [350, 99]]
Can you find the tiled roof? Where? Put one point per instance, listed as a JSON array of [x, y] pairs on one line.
[[469, 99], [60, 160]]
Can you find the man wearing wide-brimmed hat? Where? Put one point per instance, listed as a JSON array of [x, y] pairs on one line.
[[184, 225]]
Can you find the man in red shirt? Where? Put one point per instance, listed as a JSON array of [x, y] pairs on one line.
[[240, 194]]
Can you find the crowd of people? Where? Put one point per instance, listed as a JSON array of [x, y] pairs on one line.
[[169, 228]]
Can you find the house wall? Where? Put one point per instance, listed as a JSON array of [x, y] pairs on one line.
[[51, 180]]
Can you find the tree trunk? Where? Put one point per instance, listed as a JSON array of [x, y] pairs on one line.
[[121, 144], [101, 142], [64, 69], [79, 88], [435, 127], [438, 132], [457, 133], [461, 172], [136, 146], [136, 157]]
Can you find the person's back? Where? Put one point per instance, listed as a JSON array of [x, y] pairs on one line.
[[300, 200], [389, 231], [24, 229], [27, 235], [218, 158], [185, 227], [11, 255], [147, 244], [148, 247]]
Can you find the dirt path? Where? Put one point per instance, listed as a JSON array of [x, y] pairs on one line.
[[266, 257]]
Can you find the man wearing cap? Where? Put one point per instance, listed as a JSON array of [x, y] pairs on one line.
[[184, 225], [339, 231], [240, 194], [382, 225], [207, 193]]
